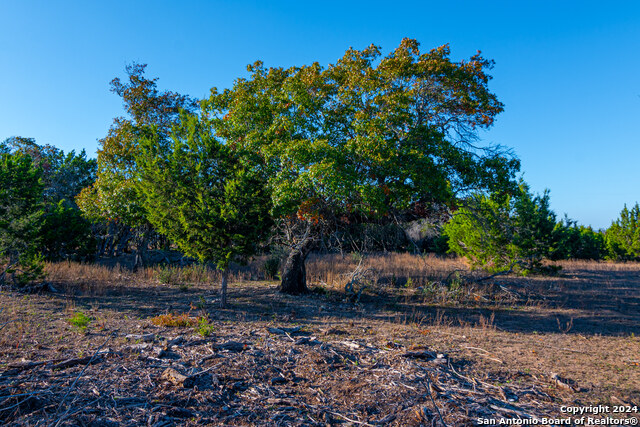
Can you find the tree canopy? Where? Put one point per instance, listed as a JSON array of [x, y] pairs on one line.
[[113, 196], [62, 232], [63, 175]]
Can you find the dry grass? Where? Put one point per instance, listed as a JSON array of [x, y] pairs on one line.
[[572, 265], [113, 277], [427, 279], [331, 270], [335, 270]]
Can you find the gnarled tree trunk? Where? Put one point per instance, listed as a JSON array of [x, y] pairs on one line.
[[294, 273]]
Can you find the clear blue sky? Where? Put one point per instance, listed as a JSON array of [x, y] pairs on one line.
[[568, 72]]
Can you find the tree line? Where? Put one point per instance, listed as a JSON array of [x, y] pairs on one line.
[[302, 158], [517, 232]]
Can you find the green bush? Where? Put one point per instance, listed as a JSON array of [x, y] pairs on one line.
[[80, 320], [28, 269], [482, 234], [168, 275], [573, 241], [204, 328], [623, 236], [66, 234], [271, 267], [502, 233]]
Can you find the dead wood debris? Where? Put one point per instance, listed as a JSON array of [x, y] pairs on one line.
[[262, 376]]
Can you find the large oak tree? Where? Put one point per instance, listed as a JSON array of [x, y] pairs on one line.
[[365, 138]]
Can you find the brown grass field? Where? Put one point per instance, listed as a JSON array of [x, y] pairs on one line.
[[417, 341]]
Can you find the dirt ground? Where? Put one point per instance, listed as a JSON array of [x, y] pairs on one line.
[[409, 346]]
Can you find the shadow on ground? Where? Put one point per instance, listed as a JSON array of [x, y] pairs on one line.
[[589, 302]]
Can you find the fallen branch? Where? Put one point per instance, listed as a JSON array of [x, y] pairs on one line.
[[16, 368], [78, 361], [499, 273]]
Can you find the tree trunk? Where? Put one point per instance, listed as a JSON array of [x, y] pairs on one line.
[[223, 288], [122, 241], [109, 240], [294, 273], [141, 251], [13, 261]]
